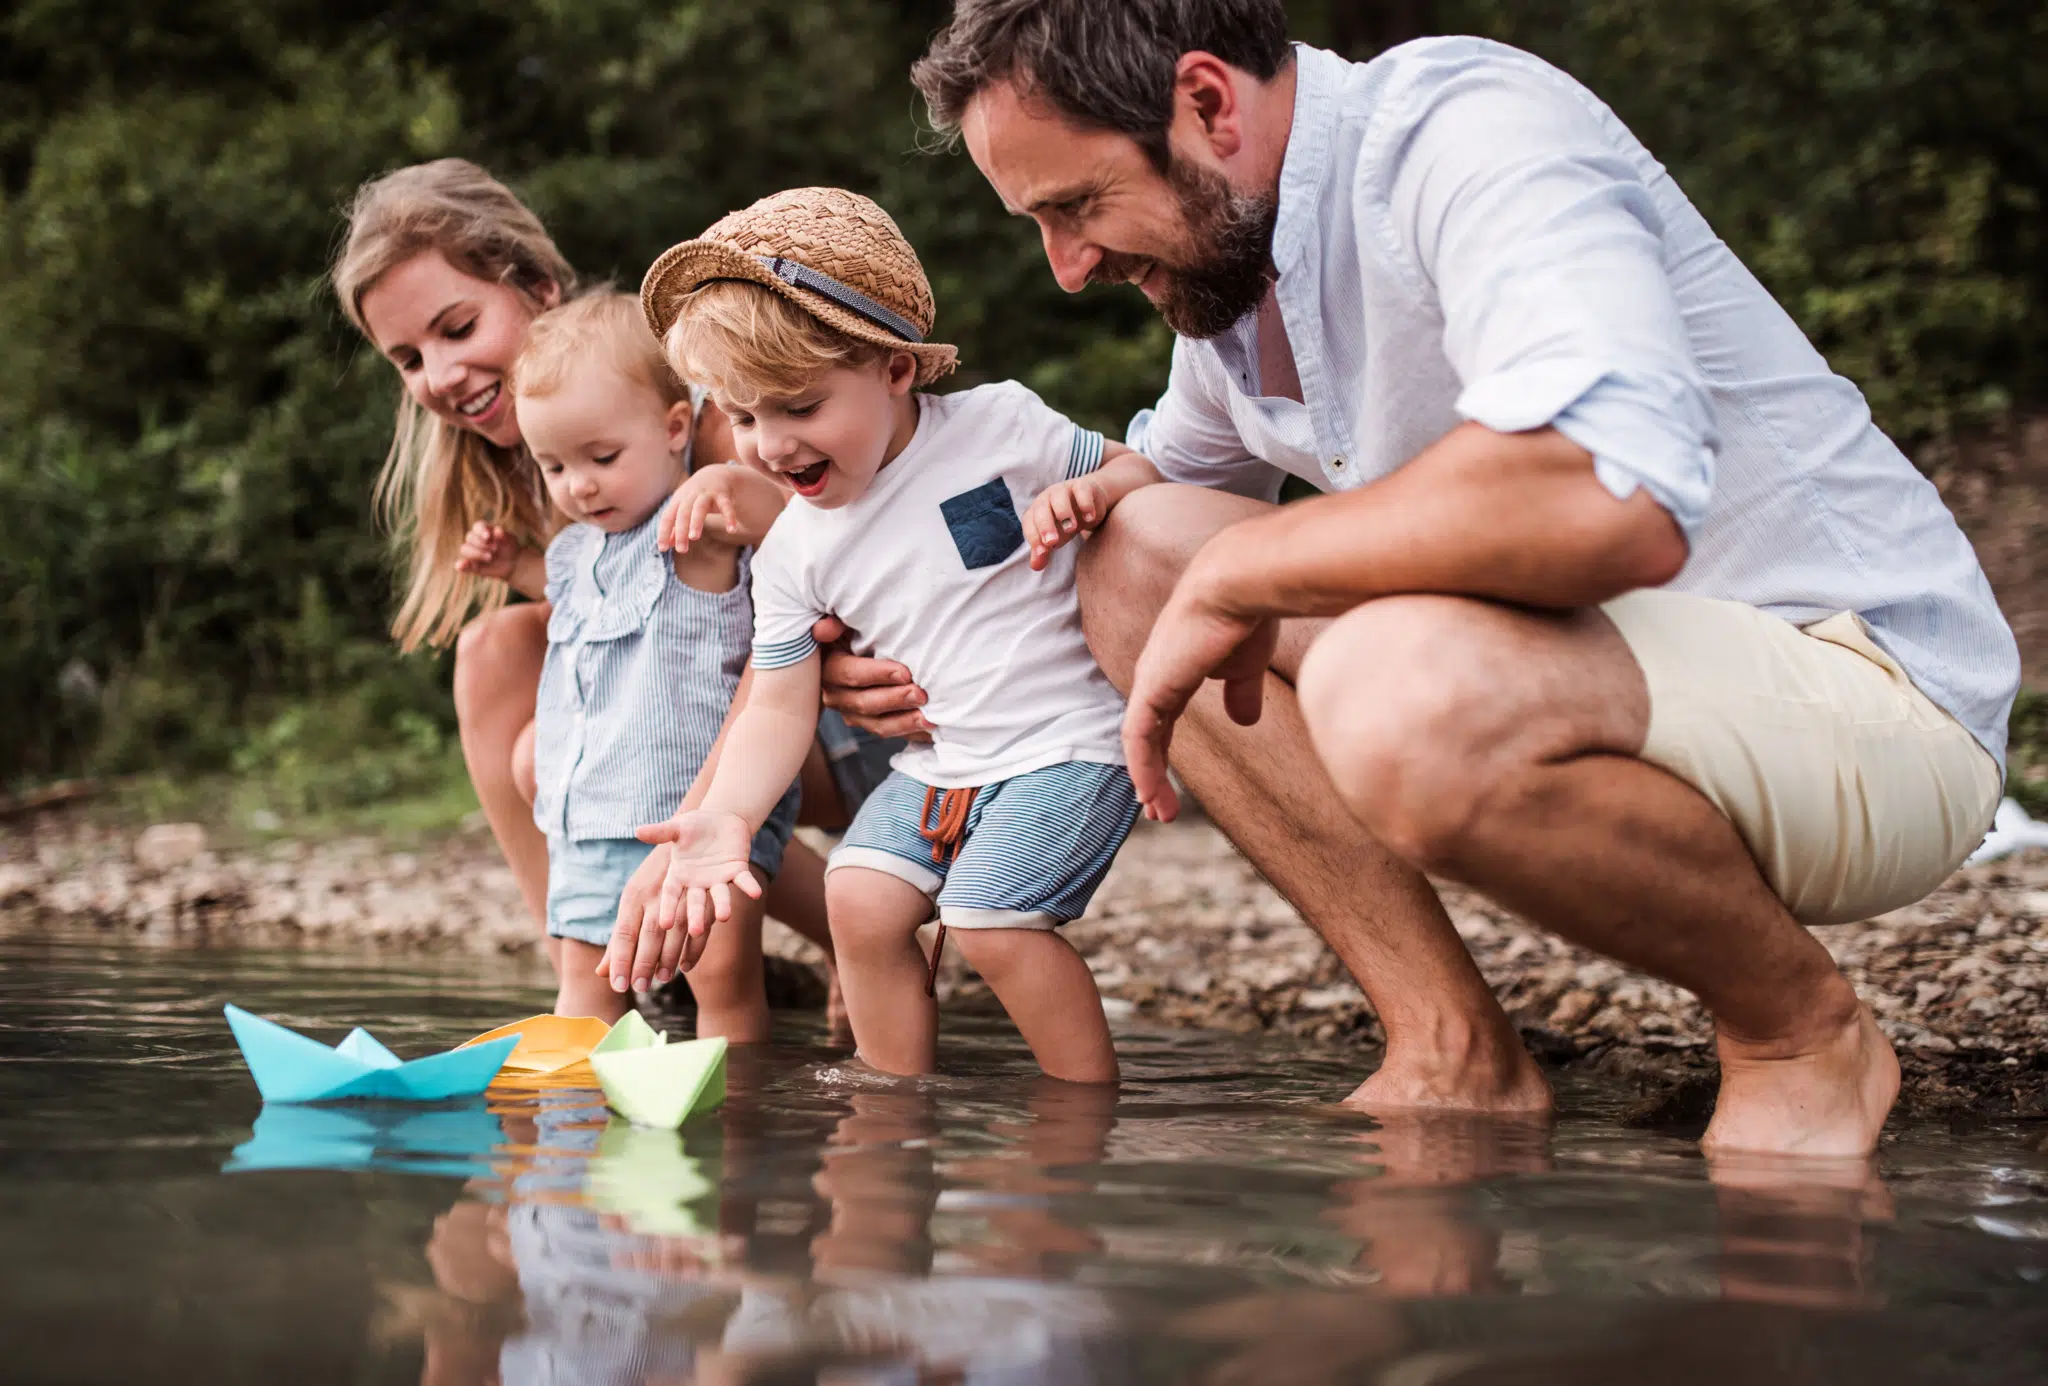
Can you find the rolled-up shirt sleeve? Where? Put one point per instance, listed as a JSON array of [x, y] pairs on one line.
[[1545, 250], [1191, 438]]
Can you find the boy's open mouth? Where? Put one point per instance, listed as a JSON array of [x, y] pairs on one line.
[[810, 480]]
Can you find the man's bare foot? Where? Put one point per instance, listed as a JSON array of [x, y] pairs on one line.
[[1827, 1096], [1497, 1078]]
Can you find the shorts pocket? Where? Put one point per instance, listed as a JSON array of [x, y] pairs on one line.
[[983, 523]]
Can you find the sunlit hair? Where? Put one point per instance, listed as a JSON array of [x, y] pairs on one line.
[[749, 343], [438, 479], [603, 325]]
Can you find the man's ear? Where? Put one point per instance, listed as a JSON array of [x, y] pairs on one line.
[[680, 419], [1205, 104]]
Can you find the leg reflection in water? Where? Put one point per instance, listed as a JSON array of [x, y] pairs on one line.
[[1415, 1217], [936, 1270]]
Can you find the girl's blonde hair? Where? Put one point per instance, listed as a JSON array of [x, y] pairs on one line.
[[749, 343], [602, 324], [438, 479]]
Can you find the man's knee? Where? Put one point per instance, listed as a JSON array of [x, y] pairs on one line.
[[1393, 724], [1127, 569]]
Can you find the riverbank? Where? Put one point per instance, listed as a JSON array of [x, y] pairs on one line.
[[1183, 932]]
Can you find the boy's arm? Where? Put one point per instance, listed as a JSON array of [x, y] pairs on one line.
[[1068, 509]]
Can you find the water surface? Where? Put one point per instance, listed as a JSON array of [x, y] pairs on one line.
[[1217, 1221]]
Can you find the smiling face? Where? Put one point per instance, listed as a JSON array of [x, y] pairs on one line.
[[452, 336], [608, 449], [827, 441], [1197, 247]]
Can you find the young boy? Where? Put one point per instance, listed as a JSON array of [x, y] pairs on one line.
[[645, 648], [806, 314]]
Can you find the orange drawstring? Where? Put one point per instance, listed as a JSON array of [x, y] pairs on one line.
[[946, 837]]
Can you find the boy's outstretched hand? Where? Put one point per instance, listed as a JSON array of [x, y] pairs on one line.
[[707, 857], [1064, 511]]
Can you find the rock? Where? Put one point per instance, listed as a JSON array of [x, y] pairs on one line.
[[163, 846]]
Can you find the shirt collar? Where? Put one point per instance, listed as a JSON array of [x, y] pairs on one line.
[[1306, 165]]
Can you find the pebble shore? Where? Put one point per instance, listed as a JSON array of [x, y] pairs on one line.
[[1183, 932]]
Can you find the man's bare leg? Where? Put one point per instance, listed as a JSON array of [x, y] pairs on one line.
[[1498, 747], [1449, 1044]]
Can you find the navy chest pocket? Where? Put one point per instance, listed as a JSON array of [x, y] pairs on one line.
[[983, 523]]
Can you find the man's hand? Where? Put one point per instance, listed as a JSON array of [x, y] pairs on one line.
[[1064, 511], [875, 695], [1196, 637]]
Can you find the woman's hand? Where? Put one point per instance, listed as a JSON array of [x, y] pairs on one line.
[[876, 695]]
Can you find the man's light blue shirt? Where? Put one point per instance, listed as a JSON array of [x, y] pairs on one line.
[[1466, 233]]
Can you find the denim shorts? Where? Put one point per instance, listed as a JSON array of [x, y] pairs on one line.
[[586, 878], [1036, 845]]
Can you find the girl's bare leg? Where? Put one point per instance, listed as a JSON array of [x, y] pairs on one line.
[[1049, 992], [497, 675], [731, 998], [874, 925], [582, 991]]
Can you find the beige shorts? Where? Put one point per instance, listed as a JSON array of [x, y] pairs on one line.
[[1855, 793]]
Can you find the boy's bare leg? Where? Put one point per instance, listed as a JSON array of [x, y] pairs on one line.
[[582, 991], [497, 676], [882, 968], [1449, 1044], [1050, 995], [732, 999]]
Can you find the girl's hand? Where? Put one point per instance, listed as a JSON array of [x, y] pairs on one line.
[[1064, 511], [744, 504], [488, 551]]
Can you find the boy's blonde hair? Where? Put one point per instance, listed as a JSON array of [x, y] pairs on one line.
[[438, 479], [604, 325], [749, 344]]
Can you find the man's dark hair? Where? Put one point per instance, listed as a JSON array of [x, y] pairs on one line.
[[1103, 64]]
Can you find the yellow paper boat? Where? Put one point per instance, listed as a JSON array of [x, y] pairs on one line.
[[643, 1178], [549, 1045], [650, 1081]]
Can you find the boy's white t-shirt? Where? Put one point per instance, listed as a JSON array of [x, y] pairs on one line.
[[929, 568]]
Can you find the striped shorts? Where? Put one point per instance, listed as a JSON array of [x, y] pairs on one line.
[[1035, 847]]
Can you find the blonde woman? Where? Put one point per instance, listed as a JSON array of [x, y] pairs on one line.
[[441, 271]]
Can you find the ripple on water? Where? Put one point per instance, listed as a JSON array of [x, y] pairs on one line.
[[1219, 1219]]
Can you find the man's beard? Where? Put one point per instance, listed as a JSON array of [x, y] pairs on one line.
[[1230, 263]]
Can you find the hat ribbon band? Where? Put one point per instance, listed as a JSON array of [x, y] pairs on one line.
[[804, 277]]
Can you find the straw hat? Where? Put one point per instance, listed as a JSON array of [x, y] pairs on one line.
[[833, 253]]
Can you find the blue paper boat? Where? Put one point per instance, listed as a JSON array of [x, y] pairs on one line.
[[288, 1067], [404, 1140]]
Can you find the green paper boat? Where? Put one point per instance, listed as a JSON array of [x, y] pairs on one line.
[[643, 1178], [651, 1082]]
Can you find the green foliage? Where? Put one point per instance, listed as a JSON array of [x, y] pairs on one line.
[[1871, 160], [188, 432], [2027, 757]]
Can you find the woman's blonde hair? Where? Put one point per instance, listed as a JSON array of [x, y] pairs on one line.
[[438, 479], [603, 324], [748, 343]]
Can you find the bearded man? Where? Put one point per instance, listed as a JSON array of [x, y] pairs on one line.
[[1619, 608]]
